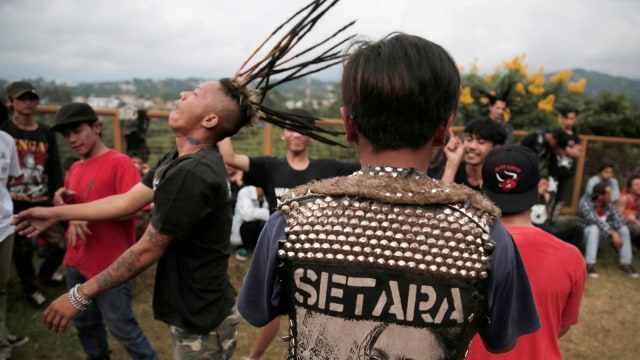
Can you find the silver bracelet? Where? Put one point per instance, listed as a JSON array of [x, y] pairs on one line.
[[77, 300]]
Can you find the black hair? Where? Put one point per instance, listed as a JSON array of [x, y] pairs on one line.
[[565, 111], [605, 166], [399, 90], [72, 125], [599, 189], [630, 181], [562, 138], [487, 129]]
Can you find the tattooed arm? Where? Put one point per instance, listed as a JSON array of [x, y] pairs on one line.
[[131, 263]]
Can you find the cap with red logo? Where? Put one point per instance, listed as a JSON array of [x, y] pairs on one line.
[[510, 178]]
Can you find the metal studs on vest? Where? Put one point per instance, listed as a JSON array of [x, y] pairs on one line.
[[446, 240]]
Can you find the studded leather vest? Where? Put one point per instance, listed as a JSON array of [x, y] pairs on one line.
[[384, 262]]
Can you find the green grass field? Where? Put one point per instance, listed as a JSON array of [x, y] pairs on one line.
[[609, 325]]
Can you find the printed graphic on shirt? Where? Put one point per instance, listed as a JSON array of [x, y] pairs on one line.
[[280, 191], [33, 185], [376, 314]]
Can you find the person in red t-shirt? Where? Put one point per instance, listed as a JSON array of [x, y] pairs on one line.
[[556, 270], [628, 205], [94, 245]]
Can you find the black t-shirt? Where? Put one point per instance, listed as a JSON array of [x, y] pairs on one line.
[[564, 166], [40, 163], [192, 204], [276, 177], [462, 178]]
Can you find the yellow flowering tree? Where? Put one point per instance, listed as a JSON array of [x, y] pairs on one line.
[[533, 99]]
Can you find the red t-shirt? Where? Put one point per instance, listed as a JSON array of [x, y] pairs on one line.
[[557, 273], [105, 175]]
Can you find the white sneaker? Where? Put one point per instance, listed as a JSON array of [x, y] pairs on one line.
[[57, 276], [17, 340], [37, 298]]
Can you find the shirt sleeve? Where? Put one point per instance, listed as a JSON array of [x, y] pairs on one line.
[[618, 220], [512, 309], [578, 273], [590, 184], [245, 206], [588, 217], [14, 167], [258, 171], [259, 300]]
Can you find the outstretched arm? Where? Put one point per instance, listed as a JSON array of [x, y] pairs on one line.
[[131, 263], [238, 161], [32, 222]]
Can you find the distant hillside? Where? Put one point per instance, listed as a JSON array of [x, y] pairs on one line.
[[168, 89], [598, 83]]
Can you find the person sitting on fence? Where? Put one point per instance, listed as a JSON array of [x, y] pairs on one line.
[[603, 223]]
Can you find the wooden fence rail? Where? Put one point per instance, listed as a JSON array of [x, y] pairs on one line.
[[267, 147]]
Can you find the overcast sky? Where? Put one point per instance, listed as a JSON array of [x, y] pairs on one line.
[[117, 40]]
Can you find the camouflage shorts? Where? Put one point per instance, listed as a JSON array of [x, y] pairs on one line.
[[219, 344]]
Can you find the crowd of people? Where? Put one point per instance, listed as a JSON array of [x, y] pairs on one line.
[[395, 256]]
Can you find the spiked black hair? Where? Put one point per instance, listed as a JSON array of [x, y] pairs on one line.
[[251, 83]]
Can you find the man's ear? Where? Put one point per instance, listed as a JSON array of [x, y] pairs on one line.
[[210, 121], [97, 127], [440, 137], [349, 125]]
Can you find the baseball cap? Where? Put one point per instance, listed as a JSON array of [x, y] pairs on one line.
[[18, 88], [510, 177], [72, 114]]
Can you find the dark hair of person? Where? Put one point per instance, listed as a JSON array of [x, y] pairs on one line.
[[4, 112], [242, 97], [399, 89], [75, 124], [599, 189], [494, 99], [606, 166], [565, 111], [487, 129], [630, 181]]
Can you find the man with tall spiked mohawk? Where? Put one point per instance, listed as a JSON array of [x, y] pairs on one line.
[[388, 263], [191, 222]]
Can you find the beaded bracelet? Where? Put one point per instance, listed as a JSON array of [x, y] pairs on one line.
[[78, 301]]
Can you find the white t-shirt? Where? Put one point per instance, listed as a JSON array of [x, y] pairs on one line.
[[248, 208], [9, 167]]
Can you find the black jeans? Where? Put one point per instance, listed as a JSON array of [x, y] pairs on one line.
[[249, 233], [23, 257]]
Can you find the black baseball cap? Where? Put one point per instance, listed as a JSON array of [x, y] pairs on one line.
[[18, 88], [73, 114], [510, 177]]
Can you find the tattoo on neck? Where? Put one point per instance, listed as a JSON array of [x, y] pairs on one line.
[[193, 141]]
